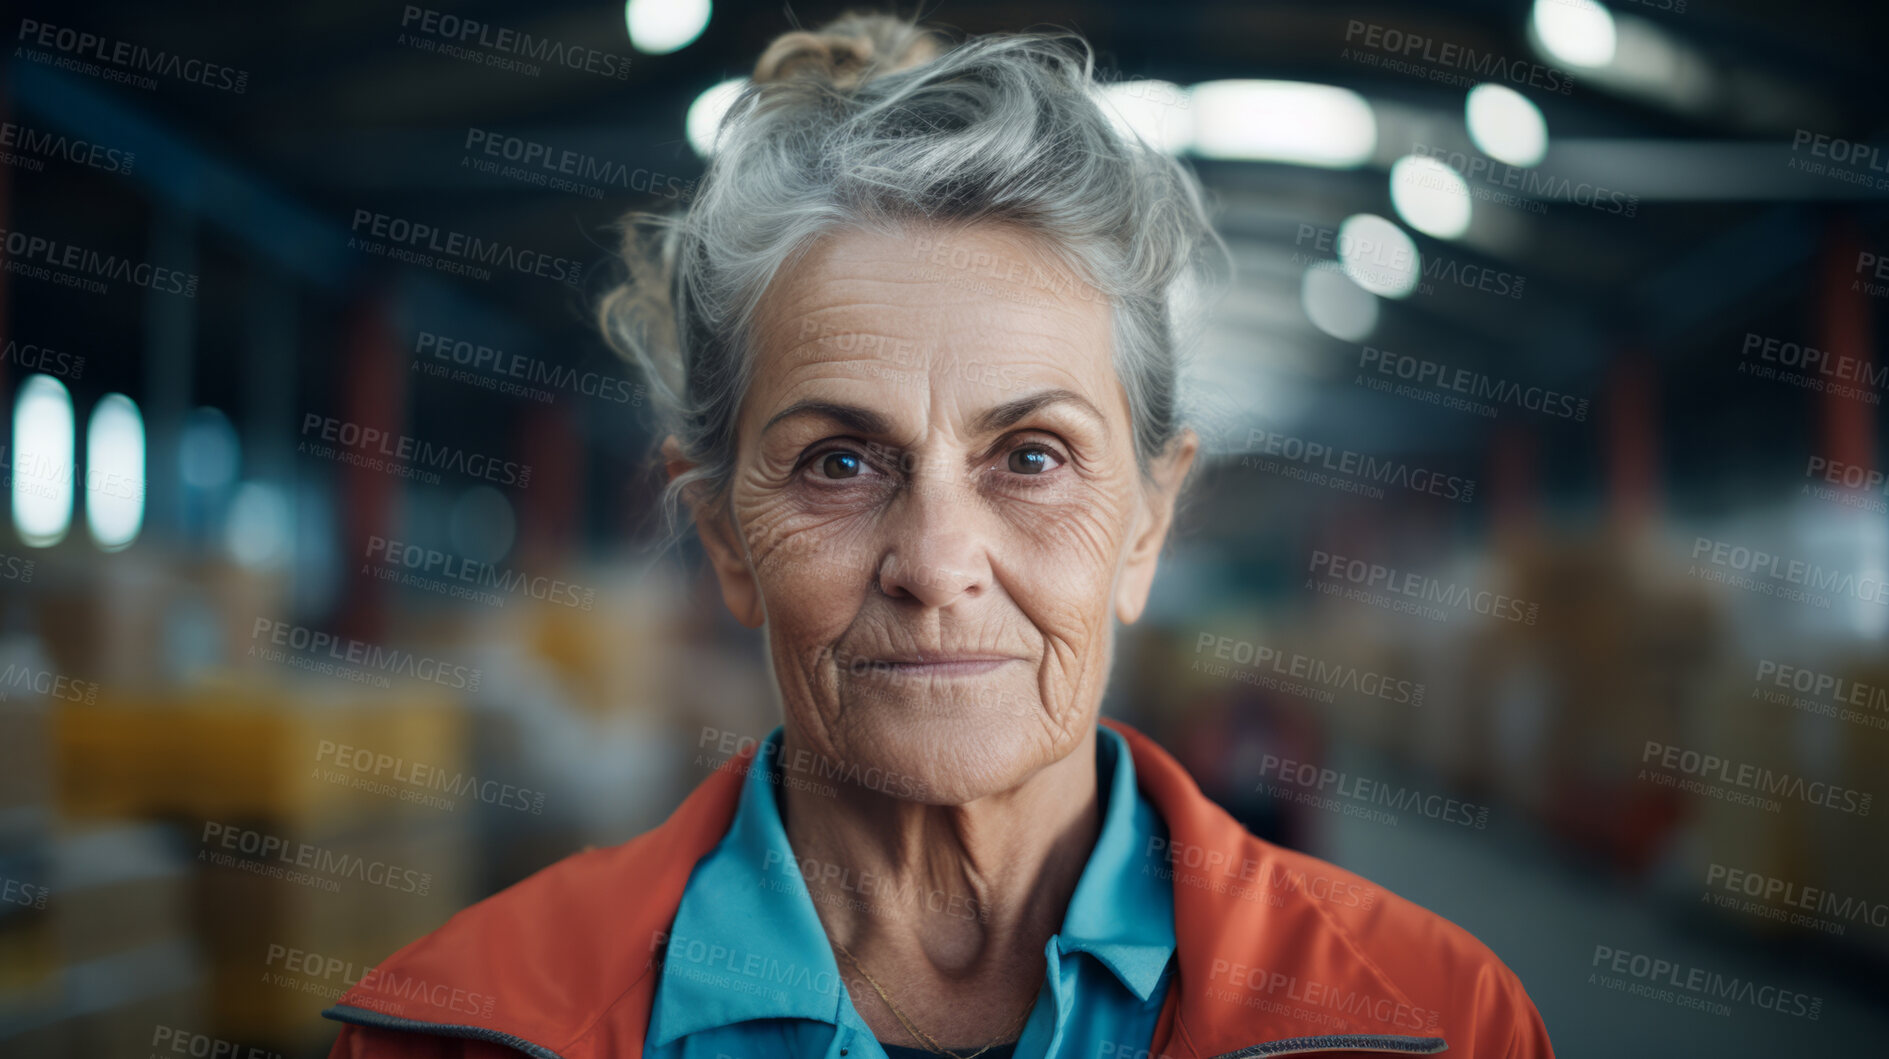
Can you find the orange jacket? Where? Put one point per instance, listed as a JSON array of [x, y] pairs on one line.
[[1279, 952]]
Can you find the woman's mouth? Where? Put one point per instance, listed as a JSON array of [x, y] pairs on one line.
[[945, 665]]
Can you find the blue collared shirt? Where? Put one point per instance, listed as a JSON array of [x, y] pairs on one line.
[[748, 971]]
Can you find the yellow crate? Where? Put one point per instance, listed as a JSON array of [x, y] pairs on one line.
[[248, 750]]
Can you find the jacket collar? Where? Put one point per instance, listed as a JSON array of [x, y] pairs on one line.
[[1265, 968], [563, 964]]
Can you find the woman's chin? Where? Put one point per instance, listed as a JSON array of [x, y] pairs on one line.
[[950, 756]]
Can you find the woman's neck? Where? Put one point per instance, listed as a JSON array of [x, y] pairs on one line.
[[948, 908]]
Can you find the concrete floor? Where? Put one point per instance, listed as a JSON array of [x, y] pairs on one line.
[[1545, 918]]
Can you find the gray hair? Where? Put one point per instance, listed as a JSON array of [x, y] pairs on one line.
[[873, 121]]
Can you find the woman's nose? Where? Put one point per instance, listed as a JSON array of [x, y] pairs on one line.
[[936, 550]]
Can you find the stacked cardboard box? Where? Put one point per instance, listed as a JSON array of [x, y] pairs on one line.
[[323, 829]]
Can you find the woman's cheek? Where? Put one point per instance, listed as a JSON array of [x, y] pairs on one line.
[[793, 549], [1074, 543]]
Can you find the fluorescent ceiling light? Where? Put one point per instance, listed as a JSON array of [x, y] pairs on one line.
[[1576, 32], [1283, 121], [1160, 112], [705, 114], [1378, 256], [1506, 125], [658, 27], [1336, 305], [1430, 196]]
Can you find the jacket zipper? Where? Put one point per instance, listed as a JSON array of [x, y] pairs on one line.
[[376, 1020]]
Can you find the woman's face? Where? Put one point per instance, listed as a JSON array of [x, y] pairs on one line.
[[936, 508]]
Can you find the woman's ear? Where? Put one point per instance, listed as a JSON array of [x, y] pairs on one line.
[[721, 539], [1154, 516]]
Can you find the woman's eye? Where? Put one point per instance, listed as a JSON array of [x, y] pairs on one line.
[[1033, 459], [840, 464]]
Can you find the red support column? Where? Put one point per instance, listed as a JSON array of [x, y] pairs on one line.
[[1631, 423], [1844, 331], [375, 397]]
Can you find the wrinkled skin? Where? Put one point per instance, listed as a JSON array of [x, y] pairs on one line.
[[861, 546]]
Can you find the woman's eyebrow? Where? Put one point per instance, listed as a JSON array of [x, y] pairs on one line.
[[1007, 414], [851, 416], [862, 420]]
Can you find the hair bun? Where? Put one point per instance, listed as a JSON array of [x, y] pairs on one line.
[[847, 51]]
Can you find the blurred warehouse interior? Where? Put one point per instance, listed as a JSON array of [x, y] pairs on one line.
[[281, 690]]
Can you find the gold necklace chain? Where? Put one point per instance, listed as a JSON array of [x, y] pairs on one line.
[[931, 1044]]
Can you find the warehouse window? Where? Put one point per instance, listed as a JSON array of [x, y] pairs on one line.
[[114, 472], [42, 461]]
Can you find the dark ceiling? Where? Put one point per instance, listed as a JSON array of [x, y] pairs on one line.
[[342, 113]]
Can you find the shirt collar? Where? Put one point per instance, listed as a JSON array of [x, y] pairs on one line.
[[747, 944], [1122, 913]]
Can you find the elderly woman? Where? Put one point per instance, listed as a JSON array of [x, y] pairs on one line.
[[918, 334]]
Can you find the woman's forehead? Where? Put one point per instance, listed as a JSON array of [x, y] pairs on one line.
[[980, 302]]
